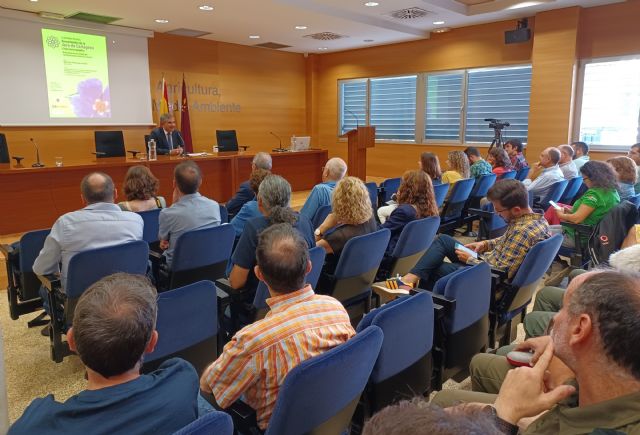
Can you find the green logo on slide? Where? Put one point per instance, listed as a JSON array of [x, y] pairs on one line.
[[53, 42]]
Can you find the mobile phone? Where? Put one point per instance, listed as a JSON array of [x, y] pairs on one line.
[[463, 248], [519, 359], [555, 205]]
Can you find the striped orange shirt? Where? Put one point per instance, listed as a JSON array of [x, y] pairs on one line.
[[255, 362]]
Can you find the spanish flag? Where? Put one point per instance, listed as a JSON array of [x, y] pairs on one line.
[[164, 101]]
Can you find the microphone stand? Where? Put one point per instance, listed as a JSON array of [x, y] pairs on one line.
[[182, 146], [38, 163], [279, 149]]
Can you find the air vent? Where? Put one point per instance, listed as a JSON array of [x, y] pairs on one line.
[[272, 45], [413, 13], [325, 36], [102, 19], [188, 32]]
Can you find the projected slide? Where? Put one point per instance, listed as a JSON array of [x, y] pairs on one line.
[[77, 74]]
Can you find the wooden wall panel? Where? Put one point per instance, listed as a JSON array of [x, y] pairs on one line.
[[610, 30]]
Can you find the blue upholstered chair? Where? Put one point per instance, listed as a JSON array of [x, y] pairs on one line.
[[491, 223], [415, 239], [522, 173], [201, 254], [224, 215], [571, 190], [511, 297], [151, 225], [373, 194], [511, 175], [387, 188], [635, 200], [23, 285], [452, 213], [86, 268], [553, 194], [213, 423], [465, 296], [479, 191], [404, 366], [187, 326], [321, 214], [440, 191]]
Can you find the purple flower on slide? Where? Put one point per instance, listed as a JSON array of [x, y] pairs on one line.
[[91, 100]]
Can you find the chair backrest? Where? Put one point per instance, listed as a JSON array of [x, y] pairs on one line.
[[358, 264], [187, 325], [388, 187], [202, 254], [224, 214], [324, 390], [151, 225], [4, 149], [532, 269], [635, 200], [31, 244], [227, 140], [482, 186], [522, 173], [571, 190], [373, 193], [212, 423], [321, 214], [414, 240], [457, 199], [554, 193], [111, 143], [510, 175], [440, 191]]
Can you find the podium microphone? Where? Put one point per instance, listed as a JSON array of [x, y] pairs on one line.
[[38, 163], [279, 149], [182, 143], [354, 116]]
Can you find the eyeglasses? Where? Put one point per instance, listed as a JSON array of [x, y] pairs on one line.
[[504, 209]]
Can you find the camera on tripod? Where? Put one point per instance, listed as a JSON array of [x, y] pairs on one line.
[[496, 124]]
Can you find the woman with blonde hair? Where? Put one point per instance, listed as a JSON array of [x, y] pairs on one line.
[[458, 167], [626, 175], [141, 190], [351, 215]]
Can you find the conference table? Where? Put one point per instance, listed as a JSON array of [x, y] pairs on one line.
[[33, 198]]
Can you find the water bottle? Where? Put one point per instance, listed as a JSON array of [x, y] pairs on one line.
[[293, 143], [152, 155]]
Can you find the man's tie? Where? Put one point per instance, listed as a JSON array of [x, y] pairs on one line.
[[169, 141]]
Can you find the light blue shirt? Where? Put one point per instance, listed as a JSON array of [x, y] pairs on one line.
[[249, 210], [541, 185], [569, 170], [637, 185], [579, 161], [95, 226], [320, 195], [189, 213]]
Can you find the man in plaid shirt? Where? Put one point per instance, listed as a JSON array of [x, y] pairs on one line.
[[511, 202]]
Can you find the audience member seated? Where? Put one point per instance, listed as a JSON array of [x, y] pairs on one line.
[[244, 194], [299, 326], [351, 215], [99, 224], [141, 190], [634, 154], [525, 229], [500, 161], [479, 166], [458, 164], [430, 164], [334, 170], [416, 200], [546, 173], [418, 417], [580, 154], [567, 166], [625, 174], [514, 148], [250, 208], [168, 139], [274, 197], [189, 211], [593, 345], [596, 202], [113, 327]]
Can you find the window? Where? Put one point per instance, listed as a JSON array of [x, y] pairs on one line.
[[353, 104], [610, 109], [444, 106], [393, 107]]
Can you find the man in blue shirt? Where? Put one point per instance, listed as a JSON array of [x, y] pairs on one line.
[[189, 210], [244, 194], [113, 327], [580, 154], [546, 173], [334, 170]]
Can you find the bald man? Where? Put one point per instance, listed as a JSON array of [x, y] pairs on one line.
[[545, 173], [334, 170]]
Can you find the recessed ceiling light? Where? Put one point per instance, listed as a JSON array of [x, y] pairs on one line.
[[438, 23], [441, 30], [254, 36], [301, 27], [205, 8], [33, 1], [527, 4], [368, 40], [370, 4], [162, 21], [323, 48]]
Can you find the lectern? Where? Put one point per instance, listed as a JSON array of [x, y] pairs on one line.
[[358, 140]]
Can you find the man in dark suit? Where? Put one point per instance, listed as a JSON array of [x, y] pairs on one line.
[[244, 194], [168, 139]]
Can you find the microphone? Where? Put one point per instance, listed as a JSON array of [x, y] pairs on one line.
[[182, 143], [279, 149], [38, 163], [354, 115]]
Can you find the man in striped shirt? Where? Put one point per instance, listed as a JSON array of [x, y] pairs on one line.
[[299, 326]]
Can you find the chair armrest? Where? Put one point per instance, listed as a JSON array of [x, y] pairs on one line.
[[448, 304], [224, 285], [498, 273], [482, 213], [155, 255], [244, 418], [51, 282], [6, 250], [580, 228]]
